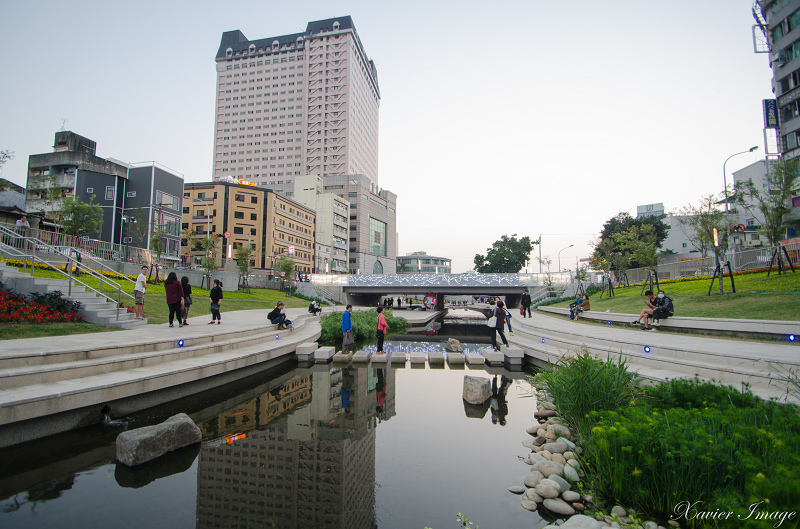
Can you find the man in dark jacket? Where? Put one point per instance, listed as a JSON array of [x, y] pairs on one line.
[[526, 304]]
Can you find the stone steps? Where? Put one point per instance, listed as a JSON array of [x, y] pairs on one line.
[[96, 309]]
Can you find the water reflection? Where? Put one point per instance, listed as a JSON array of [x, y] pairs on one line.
[[307, 457]]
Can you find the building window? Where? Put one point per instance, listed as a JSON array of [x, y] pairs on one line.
[[254, 216], [377, 237], [239, 198], [254, 200], [131, 194], [90, 190], [238, 230], [186, 210], [377, 268], [109, 192], [238, 214]]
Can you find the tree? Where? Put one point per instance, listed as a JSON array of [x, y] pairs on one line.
[[79, 218], [243, 255], [699, 223], [772, 202], [157, 244], [620, 224], [507, 255], [5, 156], [210, 252], [286, 265]]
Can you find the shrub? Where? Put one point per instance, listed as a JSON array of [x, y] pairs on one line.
[[581, 384], [364, 325], [55, 302]]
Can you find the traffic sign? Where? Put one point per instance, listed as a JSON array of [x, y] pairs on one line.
[[227, 234]]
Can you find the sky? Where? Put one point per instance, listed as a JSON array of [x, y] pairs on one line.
[[514, 117]]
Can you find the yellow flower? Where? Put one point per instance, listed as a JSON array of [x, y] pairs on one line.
[[636, 472], [760, 475]]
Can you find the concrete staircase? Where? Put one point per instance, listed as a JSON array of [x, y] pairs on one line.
[[96, 309], [659, 357], [46, 391]]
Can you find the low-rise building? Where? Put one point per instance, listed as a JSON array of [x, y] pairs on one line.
[[333, 221], [422, 263]]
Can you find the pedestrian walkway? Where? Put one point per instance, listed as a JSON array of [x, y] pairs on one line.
[[658, 356]]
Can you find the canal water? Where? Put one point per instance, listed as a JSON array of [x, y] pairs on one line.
[[282, 449]]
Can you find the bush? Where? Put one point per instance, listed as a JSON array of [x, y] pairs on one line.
[[581, 384], [364, 325], [55, 302]]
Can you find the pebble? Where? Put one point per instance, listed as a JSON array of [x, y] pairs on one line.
[[546, 491], [650, 525], [530, 494], [619, 510], [560, 430], [529, 505], [533, 479], [539, 441], [567, 442], [574, 464], [556, 448], [569, 473], [563, 484], [548, 468], [589, 498], [540, 433], [532, 430], [528, 443], [578, 506], [545, 413], [558, 506], [547, 405], [569, 495], [569, 455], [558, 458], [516, 489], [550, 436], [580, 521]]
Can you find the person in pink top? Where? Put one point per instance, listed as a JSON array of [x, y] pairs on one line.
[[381, 330]]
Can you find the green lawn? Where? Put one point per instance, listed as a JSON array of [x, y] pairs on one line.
[[757, 297], [14, 331]]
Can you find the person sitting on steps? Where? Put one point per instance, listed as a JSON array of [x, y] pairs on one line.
[[278, 316], [579, 307], [664, 308], [648, 312]]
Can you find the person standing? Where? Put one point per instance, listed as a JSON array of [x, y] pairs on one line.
[[508, 318], [187, 298], [138, 293], [381, 332], [174, 292], [500, 314], [526, 304], [347, 329], [216, 300], [22, 228]]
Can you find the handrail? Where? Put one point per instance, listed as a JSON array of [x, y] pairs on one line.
[[34, 259]]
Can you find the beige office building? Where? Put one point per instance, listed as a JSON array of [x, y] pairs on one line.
[[333, 214], [272, 224], [303, 103]]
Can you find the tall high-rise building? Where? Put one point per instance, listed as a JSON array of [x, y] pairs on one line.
[[304, 103]]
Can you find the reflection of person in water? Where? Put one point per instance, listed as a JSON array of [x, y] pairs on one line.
[[499, 405], [380, 390], [347, 388]]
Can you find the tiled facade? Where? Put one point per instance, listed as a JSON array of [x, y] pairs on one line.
[[304, 103]]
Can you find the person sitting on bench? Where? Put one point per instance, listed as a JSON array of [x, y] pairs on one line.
[[664, 308], [579, 307]]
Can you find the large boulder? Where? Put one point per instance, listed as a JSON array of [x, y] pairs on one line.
[[477, 390], [141, 445]]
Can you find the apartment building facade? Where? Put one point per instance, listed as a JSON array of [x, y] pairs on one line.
[[270, 223], [296, 104], [333, 214]]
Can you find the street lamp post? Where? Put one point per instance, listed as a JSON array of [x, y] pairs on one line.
[[725, 175], [559, 256]]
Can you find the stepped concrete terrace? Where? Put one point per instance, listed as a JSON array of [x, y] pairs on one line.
[[51, 385], [658, 356]]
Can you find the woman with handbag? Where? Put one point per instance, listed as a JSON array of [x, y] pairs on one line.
[[499, 316], [174, 292], [216, 300], [187, 298], [381, 332]]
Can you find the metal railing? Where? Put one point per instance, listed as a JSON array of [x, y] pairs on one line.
[[25, 247]]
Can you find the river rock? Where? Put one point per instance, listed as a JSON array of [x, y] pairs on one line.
[[650, 525], [563, 485], [547, 405], [580, 521], [532, 430], [528, 443], [516, 489], [545, 413], [560, 431], [567, 442], [555, 448], [529, 505], [545, 453], [550, 436], [535, 457], [570, 495], [569, 455], [619, 510], [477, 390], [570, 474], [530, 494], [546, 490], [578, 506], [540, 433], [558, 506], [558, 458], [539, 441], [548, 468], [533, 478], [141, 445], [574, 464]]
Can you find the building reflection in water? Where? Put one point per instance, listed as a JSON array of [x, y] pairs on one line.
[[303, 460]]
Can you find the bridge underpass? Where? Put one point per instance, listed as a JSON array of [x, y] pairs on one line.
[[367, 290]]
